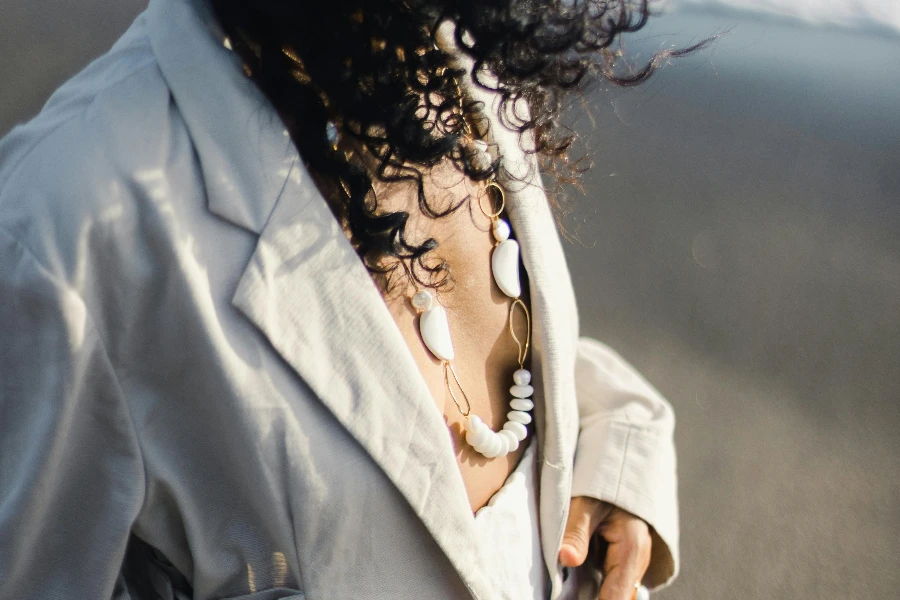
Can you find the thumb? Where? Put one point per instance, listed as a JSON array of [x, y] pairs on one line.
[[585, 515]]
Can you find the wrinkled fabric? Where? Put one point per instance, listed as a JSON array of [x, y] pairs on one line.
[[202, 392]]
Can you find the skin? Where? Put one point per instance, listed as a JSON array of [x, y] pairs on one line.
[[485, 361], [628, 544]]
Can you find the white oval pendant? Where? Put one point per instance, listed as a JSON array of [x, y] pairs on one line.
[[435, 332], [505, 266]]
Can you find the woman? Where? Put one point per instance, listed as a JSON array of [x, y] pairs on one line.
[[235, 359]]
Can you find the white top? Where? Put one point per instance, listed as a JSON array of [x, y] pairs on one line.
[[510, 536]]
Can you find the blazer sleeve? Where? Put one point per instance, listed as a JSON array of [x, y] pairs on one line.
[[71, 475], [626, 454]]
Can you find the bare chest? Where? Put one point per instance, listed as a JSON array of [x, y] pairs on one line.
[[486, 355]]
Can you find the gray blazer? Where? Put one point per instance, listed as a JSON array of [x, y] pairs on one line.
[[193, 361]]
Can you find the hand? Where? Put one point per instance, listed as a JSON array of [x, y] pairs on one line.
[[628, 539]]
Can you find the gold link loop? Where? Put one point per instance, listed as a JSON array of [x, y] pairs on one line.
[[523, 351], [484, 192], [449, 368]]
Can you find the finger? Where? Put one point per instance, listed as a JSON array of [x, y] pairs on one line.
[[585, 515], [627, 556]]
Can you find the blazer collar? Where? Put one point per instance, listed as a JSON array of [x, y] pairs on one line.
[[244, 150]]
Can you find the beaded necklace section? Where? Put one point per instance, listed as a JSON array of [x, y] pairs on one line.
[[434, 327]]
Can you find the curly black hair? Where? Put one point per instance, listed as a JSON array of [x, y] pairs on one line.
[[372, 70]]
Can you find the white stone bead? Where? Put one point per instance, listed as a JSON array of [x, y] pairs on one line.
[[521, 404], [521, 391], [642, 593], [482, 441], [484, 435], [479, 157], [475, 426], [435, 331], [519, 417], [504, 447], [505, 267], [422, 301], [481, 161], [476, 430], [492, 447], [501, 230], [510, 438], [472, 437], [516, 428], [522, 377]]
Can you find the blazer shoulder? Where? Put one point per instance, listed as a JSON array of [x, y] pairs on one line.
[[131, 57], [94, 150]]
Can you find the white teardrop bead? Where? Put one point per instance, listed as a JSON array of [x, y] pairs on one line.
[[500, 230], [642, 593], [521, 391], [519, 417], [521, 404], [510, 438], [522, 377], [505, 266], [504, 447], [516, 428], [435, 332]]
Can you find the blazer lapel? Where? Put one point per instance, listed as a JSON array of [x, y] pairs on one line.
[[305, 288], [307, 291]]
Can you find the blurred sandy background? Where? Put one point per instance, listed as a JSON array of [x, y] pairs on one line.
[[739, 241]]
